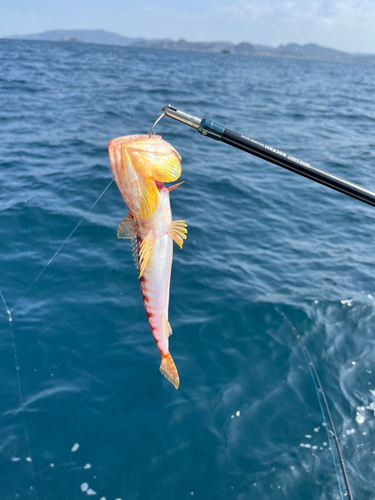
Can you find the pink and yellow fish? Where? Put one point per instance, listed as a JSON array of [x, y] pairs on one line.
[[141, 165]]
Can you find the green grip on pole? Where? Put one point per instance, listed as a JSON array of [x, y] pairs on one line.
[[211, 129]]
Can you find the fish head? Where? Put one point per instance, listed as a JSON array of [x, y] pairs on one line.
[[140, 166]]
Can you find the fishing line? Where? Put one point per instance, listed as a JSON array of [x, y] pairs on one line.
[[324, 408], [154, 125], [60, 248], [20, 395], [10, 320]]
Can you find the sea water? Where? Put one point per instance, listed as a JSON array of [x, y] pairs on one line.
[[84, 410]]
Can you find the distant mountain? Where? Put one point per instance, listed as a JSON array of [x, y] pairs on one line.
[[265, 48], [86, 36], [293, 50], [244, 48], [313, 51], [183, 45]]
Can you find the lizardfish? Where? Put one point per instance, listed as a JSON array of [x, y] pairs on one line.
[[141, 165]]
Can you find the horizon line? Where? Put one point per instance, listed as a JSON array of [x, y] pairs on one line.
[[12, 37]]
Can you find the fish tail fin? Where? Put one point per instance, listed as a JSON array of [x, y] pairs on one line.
[[169, 370]]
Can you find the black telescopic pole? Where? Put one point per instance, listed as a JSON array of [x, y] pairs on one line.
[[211, 129], [297, 166]]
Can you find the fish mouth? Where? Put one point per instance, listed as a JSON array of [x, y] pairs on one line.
[[141, 165]]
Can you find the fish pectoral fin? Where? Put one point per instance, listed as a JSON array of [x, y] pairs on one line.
[[145, 250], [167, 330], [169, 370], [168, 169], [177, 231], [128, 228], [175, 186], [149, 199]]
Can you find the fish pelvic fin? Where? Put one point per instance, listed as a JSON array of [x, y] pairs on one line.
[[128, 228], [177, 231], [167, 330], [145, 251], [169, 370]]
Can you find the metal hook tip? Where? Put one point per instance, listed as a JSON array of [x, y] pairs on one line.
[[154, 125]]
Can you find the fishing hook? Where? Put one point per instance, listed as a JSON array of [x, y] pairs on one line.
[[154, 125]]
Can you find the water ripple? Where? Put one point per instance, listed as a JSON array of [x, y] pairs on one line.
[[245, 422]]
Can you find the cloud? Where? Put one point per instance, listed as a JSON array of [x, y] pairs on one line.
[[294, 10], [341, 24]]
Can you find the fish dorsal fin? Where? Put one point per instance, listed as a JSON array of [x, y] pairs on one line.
[[128, 228], [167, 330], [149, 199], [134, 244], [145, 250], [177, 231], [175, 186], [168, 169]]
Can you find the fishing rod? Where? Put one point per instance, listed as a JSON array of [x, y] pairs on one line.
[[324, 408], [211, 129]]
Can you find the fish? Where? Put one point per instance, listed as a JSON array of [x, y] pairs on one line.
[[141, 164]]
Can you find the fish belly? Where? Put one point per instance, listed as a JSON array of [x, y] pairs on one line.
[[155, 289]]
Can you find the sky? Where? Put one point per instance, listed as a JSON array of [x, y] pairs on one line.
[[347, 25]]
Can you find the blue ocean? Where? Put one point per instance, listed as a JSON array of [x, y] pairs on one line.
[[84, 410]]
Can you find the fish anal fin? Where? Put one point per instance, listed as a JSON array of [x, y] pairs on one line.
[[167, 330], [177, 231], [149, 199], [145, 250], [169, 370], [128, 228], [168, 169], [175, 186]]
